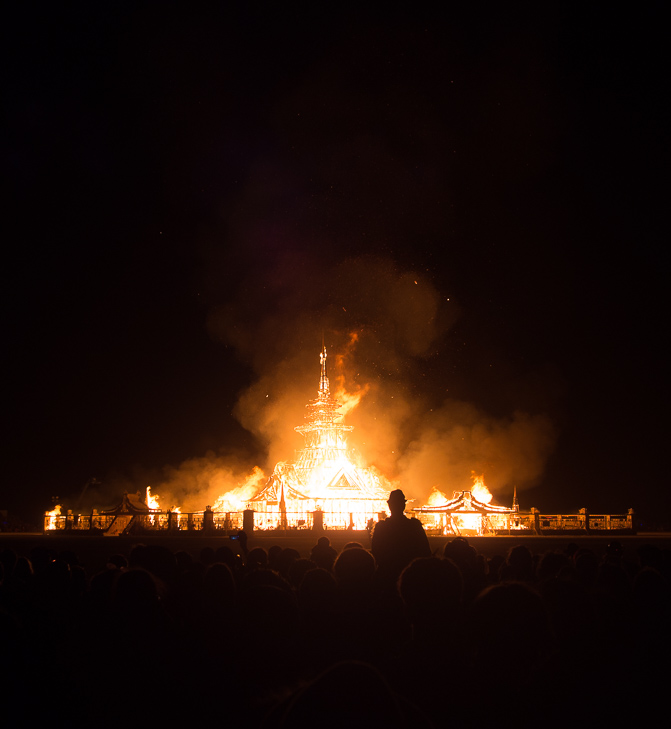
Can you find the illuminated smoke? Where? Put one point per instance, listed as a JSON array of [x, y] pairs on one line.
[[457, 438], [383, 325]]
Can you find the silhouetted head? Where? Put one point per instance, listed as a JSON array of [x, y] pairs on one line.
[[136, 592], [286, 559], [218, 583], [504, 612], [207, 556], [274, 553], [258, 557], [431, 587], [225, 555], [354, 567], [396, 502], [317, 590], [298, 570], [184, 561]]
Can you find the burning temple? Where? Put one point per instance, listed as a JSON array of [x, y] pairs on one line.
[[323, 487], [470, 513]]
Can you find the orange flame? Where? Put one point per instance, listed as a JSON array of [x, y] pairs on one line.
[[152, 501], [236, 499], [56, 511], [436, 498], [346, 399], [479, 490]]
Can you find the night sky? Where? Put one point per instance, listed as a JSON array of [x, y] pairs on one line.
[[197, 192]]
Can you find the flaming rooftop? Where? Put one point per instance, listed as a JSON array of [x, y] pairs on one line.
[[323, 483]]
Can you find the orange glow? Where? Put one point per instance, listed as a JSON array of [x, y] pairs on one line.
[[436, 498], [347, 400], [467, 513], [52, 516], [480, 492], [152, 501], [324, 477], [236, 499], [468, 524]]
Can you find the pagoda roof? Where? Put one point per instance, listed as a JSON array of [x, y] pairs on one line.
[[130, 504], [464, 502]]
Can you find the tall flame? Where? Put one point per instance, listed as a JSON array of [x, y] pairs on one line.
[[479, 490], [152, 501]]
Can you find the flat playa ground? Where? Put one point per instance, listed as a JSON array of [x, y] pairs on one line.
[[93, 551]]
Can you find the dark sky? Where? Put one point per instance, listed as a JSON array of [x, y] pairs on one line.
[[170, 165]]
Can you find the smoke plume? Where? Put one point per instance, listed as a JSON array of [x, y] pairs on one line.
[[386, 331]]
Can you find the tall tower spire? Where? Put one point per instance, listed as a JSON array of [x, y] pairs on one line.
[[323, 380], [322, 478]]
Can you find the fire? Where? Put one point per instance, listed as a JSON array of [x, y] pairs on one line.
[[480, 492], [152, 501], [323, 484], [349, 400], [236, 499], [463, 523], [468, 523], [52, 516], [436, 498]]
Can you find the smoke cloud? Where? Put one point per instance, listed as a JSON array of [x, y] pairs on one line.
[[385, 331]]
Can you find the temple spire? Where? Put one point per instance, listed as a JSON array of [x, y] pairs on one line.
[[323, 380]]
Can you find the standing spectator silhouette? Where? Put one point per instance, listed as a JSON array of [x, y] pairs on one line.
[[323, 554], [398, 540]]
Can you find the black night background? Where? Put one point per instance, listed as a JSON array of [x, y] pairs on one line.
[[196, 192]]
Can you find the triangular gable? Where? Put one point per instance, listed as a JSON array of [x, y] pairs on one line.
[[343, 480], [274, 488]]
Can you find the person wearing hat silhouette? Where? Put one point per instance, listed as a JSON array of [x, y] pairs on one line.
[[398, 540]]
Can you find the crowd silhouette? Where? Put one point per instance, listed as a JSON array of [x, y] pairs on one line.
[[274, 638]]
